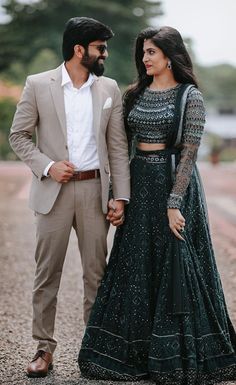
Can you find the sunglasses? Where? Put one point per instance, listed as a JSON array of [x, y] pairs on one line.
[[101, 47]]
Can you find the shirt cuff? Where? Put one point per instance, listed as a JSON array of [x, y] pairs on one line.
[[122, 199], [45, 172]]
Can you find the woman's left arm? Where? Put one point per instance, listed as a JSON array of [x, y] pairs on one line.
[[192, 132]]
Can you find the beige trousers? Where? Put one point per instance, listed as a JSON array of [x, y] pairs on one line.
[[78, 205]]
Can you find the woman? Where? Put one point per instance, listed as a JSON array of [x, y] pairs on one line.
[[160, 310]]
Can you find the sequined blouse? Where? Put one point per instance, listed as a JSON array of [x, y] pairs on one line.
[[152, 117]]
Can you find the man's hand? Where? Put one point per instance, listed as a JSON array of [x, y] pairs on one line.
[[116, 212], [176, 222], [61, 171]]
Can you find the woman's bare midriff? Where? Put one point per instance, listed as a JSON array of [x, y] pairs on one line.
[[151, 146]]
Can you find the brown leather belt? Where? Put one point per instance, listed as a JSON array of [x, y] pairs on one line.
[[84, 175]]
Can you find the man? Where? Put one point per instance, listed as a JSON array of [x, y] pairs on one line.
[[77, 118]]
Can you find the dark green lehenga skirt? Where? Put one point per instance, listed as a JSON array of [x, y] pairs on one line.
[[160, 311]]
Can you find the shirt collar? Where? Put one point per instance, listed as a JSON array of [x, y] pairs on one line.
[[67, 80]]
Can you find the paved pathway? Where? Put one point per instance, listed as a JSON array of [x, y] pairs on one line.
[[17, 271]]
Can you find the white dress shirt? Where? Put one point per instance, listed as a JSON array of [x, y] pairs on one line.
[[81, 140]]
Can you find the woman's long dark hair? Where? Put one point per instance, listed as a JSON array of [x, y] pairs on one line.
[[169, 40]]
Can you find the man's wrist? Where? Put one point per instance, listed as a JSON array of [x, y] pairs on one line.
[[126, 201], [46, 170]]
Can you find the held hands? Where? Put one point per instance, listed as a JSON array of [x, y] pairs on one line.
[[61, 171], [176, 222], [116, 212]]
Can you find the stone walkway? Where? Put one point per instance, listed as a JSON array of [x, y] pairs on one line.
[[17, 271]]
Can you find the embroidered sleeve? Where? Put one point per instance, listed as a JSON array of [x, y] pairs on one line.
[[194, 121]]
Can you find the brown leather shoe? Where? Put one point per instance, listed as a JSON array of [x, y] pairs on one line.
[[40, 364]]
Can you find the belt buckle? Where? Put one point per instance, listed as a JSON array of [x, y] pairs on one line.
[[77, 175]]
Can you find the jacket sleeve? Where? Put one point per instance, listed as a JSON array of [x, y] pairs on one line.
[[118, 149], [24, 126]]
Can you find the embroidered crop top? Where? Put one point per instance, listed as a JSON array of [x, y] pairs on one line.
[[151, 118]]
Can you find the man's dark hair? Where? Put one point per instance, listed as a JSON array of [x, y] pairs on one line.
[[83, 30]]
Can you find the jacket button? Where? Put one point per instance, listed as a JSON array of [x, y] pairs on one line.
[[66, 147]]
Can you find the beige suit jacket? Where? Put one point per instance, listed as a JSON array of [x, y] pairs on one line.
[[41, 111]]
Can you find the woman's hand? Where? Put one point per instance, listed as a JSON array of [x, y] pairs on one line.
[[176, 222]]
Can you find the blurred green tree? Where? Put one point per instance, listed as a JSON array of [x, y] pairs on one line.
[[7, 109], [218, 84], [38, 25]]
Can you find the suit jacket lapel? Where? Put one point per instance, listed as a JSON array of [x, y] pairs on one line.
[[58, 98], [97, 105]]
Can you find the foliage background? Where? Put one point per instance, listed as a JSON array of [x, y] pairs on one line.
[[31, 41]]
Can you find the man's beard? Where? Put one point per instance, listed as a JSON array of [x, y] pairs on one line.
[[92, 64]]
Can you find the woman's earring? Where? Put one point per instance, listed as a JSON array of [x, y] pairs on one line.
[[169, 66]]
